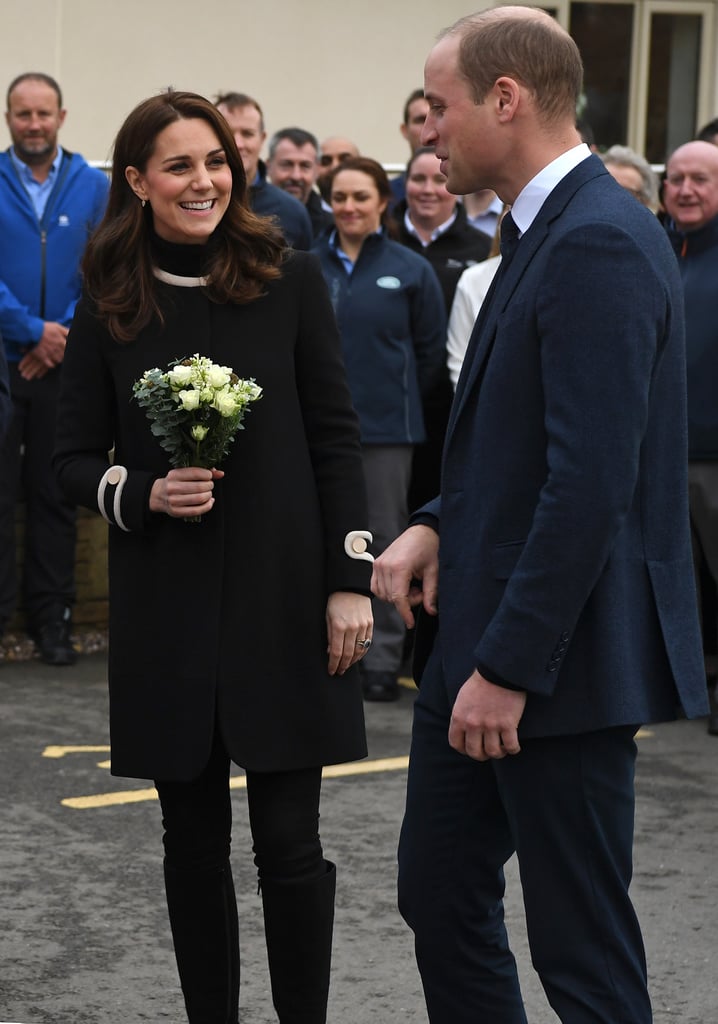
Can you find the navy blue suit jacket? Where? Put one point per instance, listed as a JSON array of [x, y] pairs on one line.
[[565, 559]]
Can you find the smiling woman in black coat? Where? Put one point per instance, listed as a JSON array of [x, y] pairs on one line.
[[231, 639]]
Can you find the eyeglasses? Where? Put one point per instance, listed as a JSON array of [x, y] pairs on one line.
[[328, 160]]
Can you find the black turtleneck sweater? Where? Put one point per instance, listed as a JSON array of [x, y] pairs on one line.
[[182, 260]]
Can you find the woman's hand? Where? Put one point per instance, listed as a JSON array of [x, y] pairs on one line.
[[349, 620], [184, 492]]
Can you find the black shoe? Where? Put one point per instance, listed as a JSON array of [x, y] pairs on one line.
[[52, 639], [381, 686], [713, 712]]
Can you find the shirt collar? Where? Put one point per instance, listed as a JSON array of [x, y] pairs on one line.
[[532, 196], [25, 171], [436, 233], [335, 246]]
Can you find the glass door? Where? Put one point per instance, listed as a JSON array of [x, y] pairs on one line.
[[604, 33], [676, 57]]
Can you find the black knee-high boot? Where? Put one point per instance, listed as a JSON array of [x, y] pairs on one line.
[[203, 917], [298, 923]]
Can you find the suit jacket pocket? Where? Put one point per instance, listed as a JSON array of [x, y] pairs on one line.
[[504, 558]]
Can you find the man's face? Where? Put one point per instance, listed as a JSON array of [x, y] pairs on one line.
[[690, 192], [411, 130], [34, 118], [294, 168], [334, 152], [246, 125], [458, 128]]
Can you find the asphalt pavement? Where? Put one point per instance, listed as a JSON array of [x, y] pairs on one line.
[[84, 937]]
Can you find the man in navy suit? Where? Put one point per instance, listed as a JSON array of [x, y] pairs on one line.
[[557, 557]]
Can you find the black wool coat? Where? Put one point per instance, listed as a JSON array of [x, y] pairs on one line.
[[223, 621]]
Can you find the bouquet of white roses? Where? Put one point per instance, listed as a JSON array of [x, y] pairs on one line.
[[196, 407]]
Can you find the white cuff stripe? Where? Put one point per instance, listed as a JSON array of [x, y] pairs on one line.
[[116, 477]]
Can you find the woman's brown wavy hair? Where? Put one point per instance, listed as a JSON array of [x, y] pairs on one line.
[[246, 250]]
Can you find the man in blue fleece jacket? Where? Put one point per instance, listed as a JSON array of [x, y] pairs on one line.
[[50, 202]]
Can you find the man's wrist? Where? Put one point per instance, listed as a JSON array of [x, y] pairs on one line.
[[424, 519], [493, 677]]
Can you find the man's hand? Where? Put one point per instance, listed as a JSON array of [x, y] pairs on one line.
[[51, 346], [48, 353], [30, 367], [485, 719], [414, 556]]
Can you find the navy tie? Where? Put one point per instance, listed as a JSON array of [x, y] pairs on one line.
[[509, 237]]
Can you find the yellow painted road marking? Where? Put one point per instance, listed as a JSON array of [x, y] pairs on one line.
[[61, 751], [134, 796]]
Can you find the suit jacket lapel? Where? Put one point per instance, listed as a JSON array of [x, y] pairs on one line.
[[507, 278], [484, 332]]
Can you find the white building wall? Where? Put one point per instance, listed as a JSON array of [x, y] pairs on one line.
[[330, 67]]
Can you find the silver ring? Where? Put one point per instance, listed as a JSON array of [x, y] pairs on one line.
[[364, 644]]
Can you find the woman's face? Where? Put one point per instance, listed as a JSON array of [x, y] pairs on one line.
[[187, 182], [426, 197], [356, 205]]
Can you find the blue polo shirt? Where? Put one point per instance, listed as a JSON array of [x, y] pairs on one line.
[[39, 191]]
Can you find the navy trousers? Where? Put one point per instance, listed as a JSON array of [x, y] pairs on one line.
[[565, 805]]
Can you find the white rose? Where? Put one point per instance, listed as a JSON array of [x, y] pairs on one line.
[[225, 403], [199, 432], [179, 376], [217, 376], [189, 400]]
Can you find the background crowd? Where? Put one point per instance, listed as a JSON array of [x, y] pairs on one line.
[[407, 264]]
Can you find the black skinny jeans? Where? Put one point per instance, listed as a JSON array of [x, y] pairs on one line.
[[283, 816], [197, 817]]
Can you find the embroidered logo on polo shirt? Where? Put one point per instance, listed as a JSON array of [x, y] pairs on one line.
[[388, 282], [63, 221]]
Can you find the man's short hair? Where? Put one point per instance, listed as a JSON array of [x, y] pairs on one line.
[[234, 100], [34, 76], [297, 136], [534, 50], [622, 156], [417, 94]]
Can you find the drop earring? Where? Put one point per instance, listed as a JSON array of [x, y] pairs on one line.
[[144, 201]]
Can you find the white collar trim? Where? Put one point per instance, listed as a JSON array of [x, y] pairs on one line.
[[180, 282]]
